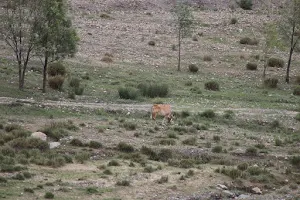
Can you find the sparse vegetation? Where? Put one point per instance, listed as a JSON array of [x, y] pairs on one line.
[[193, 68], [296, 91], [275, 62], [251, 66], [271, 82], [128, 93], [246, 4], [212, 85]]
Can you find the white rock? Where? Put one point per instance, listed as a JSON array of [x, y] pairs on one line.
[[224, 187], [256, 190], [39, 135], [53, 145]]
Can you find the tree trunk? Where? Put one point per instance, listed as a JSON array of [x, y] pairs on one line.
[[179, 49], [21, 83], [45, 72], [287, 77]]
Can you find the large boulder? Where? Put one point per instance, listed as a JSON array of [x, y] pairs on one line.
[[39, 135]]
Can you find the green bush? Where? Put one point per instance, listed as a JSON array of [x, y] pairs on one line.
[[164, 155], [249, 41], [124, 147], [128, 93], [130, 126], [233, 20], [271, 82], [246, 4], [295, 160], [208, 114], [243, 166], [163, 179], [76, 142], [251, 151], [49, 195], [78, 90], [113, 163], [154, 90], [56, 82], [251, 66], [81, 157], [193, 68], [74, 82], [216, 138], [95, 145], [212, 85], [29, 143], [297, 117], [11, 127], [167, 142], [56, 68], [91, 190], [296, 91], [228, 114], [275, 62], [123, 183], [190, 141], [217, 149]]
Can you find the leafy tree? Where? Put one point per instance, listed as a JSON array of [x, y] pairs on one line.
[[16, 24], [184, 21], [54, 34], [290, 29]]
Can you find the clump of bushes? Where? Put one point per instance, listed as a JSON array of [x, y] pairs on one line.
[[56, 82], [190, 141], [296, 91], [153, 90], [193, 68], [251, 66], [124, 147], [75, 86], [128, 93], [208, 114], [249, 41], [212, 85], [275, 62], [246, 4], [271, 82], [56, 69]]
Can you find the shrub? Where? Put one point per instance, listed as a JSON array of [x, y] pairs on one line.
[[130, 126], [190, 141], [154, 90], [212, 85], [56, 69], [207, 58], [228, 114], [271, 82], [124, 147], [95, 144], [165, 154], [91, 190], [297, 117], [246, 4], [278, 142], [107, 59], [275, 62], [251, 151], [296, 91], [163, 179], [151, 43], [49, 195], [11, 127], [29, 143], [74, 82], [81, 157], [56, 82], [76, 142], [128, 93], [185, 113], [251, 66], [249, 41], [113, 163], [78, 90], [149, 152], [196, 90], [107, 172], [167, 142], [208, 114], [242, 166], [217, 149], [149, 169], [233, 20], [216, 138], [123, 183], [295, 160], [193, 68], [3, 179]]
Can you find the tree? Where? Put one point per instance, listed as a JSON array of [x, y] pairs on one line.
[[16, 25], [184, 21], [290, 29], [54, 35]]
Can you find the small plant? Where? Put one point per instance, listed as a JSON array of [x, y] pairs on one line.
[[128, 93], [76, 142], [190, 141], [295, 160], [233, 20], [172, 135], [193, 68], [149, 169], [251, 66], [167, 142], [296, 91], [113, 163], [212, 85], [163, 179], [124, 147], [246, 4], [91, 190], [151, 43], [208, 114], [228, 114], [275, 62], [74, 82], [216, 138], [207, 58], [196, 90], [185, 114], [217, 149], [297, 117], [49, 195], [28, 190], [278, 142], [130, 126], [107, 59], [271, 82], [123, 183], [107, 172], [165, 154], [3, 179], [56, 82], [248, 41], [81, 157], [95, 145], [195, 38], [243, 166], [251, 151], [56, 69], [188, 83]]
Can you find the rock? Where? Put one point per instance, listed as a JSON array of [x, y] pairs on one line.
[[53, 145], [224, 187], [39, 135], [228, 194], [243, 196], [256, 190]]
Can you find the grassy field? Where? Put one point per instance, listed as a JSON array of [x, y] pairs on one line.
[[244, 135]]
